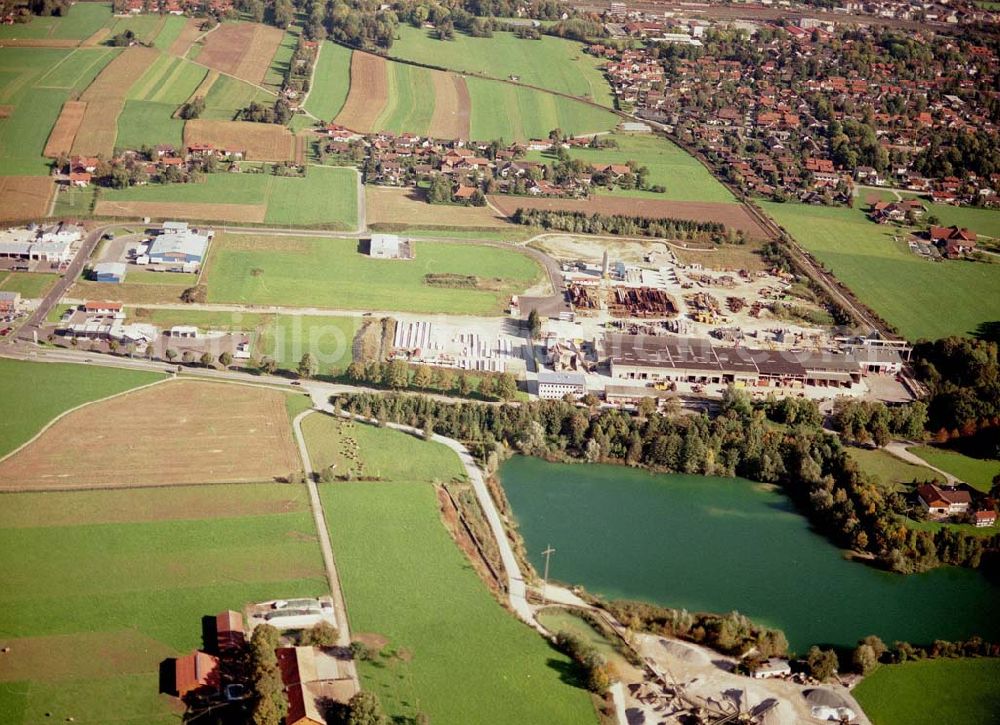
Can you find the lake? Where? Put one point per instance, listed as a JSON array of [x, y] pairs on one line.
[[719, 544]]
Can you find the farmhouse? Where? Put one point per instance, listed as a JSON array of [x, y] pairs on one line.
[[554, 386], [102, 307], [113, 272], [229, 632], [312, 680], [954, 241], [196, 673], [943, 501]]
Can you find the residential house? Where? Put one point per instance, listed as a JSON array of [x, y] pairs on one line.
[[196, 673], [940, 501]]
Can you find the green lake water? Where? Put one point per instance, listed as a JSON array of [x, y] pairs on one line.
[[719, 544]]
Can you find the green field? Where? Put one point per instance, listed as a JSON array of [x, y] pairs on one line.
[[410, 105], [891, 471], [173, 27], [168, 80], [331, 83], [77, 69], [145, 123], [332, 273], [31, 285], [977, 472], [382, 452], [74, 201], [932, 692], [228, 95], [512, 113], [32, 394], [146, 276], [445, 633], [275, 75], [551, 63], [82, 21], [204, 319], [286, 338], [982, 221], [327, 196], [146, 27], [906, 290], [118, 581], [670, 166]]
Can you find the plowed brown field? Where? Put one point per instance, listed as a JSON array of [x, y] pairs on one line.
[[451, 106], [387, 205], [190, 432], [368, 95], [183, 42], [260, 141], [733, 216], [25, 197], [243, 50], [64, 132]]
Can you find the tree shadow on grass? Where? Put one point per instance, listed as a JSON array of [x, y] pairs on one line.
[[989, 331], [569, 672]]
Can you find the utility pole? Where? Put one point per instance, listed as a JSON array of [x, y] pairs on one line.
[[545, 578]]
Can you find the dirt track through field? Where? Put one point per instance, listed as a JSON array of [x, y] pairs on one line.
[[734, 216], [203, 211], [25, 197], [451, 106], [105, 98], [260, 141], [64, 132], [368, 95], [175, 432]]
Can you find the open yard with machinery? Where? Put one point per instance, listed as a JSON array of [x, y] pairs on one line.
[[441, 632], [117, 582], [905, 289], [897, 694], [25, 197], [334, 273], [733, 216], [390, 205], [669, 165], [192, 432], [331, 82], [551, 63], [32, 394]]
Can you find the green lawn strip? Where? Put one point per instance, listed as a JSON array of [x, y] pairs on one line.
[[331, 83], [145, 276], [275, 75], [32, 394], [168, 34], [890, 471], [333, 273], [448, 635], [557, 619], [183, 80], [552, 63], [964, 690], [78, 69], [286, 338], [24, 134], [670, 166], [977, 472], [387, 454], [145, 123], [899, 285], [934, 526], [82, 21], [145, 26], [203, 319], [326, 196], [411, 100], [501, 110], [499, 234], [31, 285], [220, 188], [152, 79]]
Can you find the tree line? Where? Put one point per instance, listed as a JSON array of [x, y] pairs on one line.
[[621, 224], [812, 465]]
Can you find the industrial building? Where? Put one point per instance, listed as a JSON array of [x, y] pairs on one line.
[[389, 246], [555, 386], [178, 245], [49, 244], [668, 359], [113, 272]]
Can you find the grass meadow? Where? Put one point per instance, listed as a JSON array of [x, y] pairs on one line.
[[82, 21], [333, 273], [32, 394], [445, 632], [171, 29], [977, 472], [286, 338], [551, 63], [906, 290], [891, 471], [331, 83], [228, 95], [145, 123], [118, 581], [919, 693], [512, 113], [669, 165], [31, 285], [275, 75], [410, 104]]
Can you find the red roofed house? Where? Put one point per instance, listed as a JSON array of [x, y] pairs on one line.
[[312, 679], [196, 671], [80, 178], [229, 631], [101, 307], [984, 519], [955, 241], [944, 502]]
